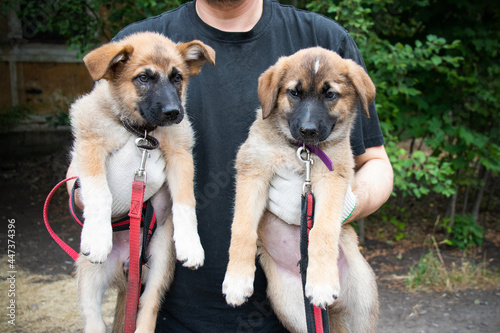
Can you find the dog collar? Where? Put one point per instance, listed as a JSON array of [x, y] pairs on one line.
[[142, 132], [321, 154]]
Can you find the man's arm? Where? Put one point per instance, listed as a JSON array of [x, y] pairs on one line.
[[374, 181]]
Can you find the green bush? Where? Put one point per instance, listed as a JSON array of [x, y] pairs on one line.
[[465, 233], [435, 66]]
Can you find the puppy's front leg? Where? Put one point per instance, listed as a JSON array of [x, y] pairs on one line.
[[251, 198], [322, 284], [180, 177], [97, 234]]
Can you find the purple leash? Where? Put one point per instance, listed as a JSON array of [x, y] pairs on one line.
[[321, 154]]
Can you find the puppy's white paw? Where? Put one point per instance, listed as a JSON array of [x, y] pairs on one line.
[[237, 288], [190, 252], [96, 242], [321, 295], [187, 241]]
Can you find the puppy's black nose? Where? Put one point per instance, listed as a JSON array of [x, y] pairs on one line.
[[171, 114], [309, 132]]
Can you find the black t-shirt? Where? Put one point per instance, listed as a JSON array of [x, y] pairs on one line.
[[221, 104]]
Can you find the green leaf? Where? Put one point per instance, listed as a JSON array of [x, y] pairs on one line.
[[436, 60], [419, 156]]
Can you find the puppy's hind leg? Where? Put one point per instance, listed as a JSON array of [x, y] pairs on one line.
[[279, 259], [284, 290], [93, 280], [121, 301], [161, 264]]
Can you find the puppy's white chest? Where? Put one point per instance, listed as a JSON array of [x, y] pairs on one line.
[[121, 166]]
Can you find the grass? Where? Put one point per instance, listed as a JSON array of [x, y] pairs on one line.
[[433, 273], [45, 303]]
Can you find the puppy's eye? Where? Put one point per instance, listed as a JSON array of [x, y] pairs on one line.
[[331, 95], [293, 93], [143, 78], [177, 78]]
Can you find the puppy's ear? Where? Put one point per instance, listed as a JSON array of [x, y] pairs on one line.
[[101, 62], [363, 85], [268, 90], [196, 53]]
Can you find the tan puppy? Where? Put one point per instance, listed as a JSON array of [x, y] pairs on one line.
[[142, 82], [311, 97]]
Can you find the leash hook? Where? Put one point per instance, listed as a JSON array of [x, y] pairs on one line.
[[140, 143], [308, 162]]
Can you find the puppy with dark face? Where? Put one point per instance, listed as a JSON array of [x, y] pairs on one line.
[[310, 97], [141, 88]]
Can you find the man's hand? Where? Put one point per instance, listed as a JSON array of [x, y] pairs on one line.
[[284, 198]]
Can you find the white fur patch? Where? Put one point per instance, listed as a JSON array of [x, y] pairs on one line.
[[187, 241], [120, 169], [292, 84], [237, 288], [97, 236], [316, 67], [96, 197], [194, 53], [117, 58], [336, 87]]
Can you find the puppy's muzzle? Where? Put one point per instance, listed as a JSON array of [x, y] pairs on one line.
[[171, 106], [171, 113], [310, 122], [309, 132]]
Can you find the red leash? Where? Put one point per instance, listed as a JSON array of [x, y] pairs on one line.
[[136, 210], [72, 253], [134, 273]]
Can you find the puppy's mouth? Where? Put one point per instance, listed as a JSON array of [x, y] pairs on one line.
[[311, 142]]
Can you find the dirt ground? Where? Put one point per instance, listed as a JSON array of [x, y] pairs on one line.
[[44, 284]]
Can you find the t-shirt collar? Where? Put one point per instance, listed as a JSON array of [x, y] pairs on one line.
[[225, 36]]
